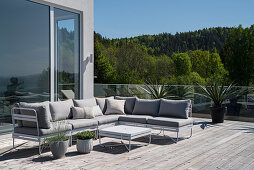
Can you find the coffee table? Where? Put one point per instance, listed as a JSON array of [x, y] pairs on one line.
[[124, 132]]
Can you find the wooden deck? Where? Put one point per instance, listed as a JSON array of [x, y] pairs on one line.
[[222, 146]]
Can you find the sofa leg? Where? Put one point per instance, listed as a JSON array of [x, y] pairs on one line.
[[177, 134], [190, 134], [39, 146], [70, 142], [13, 143]]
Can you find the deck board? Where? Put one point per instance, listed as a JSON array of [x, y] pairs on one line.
[[223, 146]]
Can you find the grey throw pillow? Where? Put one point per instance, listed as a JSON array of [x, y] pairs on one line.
[[175, 108], [115, 106], [97, 111], [146, 107], [85, 102], [102, 103], [78, 113], [43, 116], [83, 113], [129, 103], [61, 110]]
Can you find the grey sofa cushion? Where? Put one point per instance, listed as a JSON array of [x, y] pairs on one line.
[[82, 123], [42, 132], [97, 111], [82, 112], [146, 107], [115, 107], [61, 110], [129, 103], [106, 119], [170, 122], [102, 103], [175, 108], [85, 102], [135, 118], [43, 114]]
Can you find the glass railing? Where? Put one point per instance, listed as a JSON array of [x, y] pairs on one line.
[[239, 107]]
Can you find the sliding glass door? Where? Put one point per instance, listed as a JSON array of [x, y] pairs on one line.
[[67, 54]]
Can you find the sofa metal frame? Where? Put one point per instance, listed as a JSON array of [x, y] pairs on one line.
[[40, 139], [37, 138]]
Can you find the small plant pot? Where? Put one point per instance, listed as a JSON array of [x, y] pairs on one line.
[[84, 146], [58, 149], [217, 114]]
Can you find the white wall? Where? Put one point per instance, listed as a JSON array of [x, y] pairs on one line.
[[85, 7]]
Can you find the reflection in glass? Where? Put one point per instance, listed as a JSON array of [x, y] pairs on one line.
[[24, 54], [67, 55]]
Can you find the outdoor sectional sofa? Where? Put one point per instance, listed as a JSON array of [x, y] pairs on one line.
[[35, 121]]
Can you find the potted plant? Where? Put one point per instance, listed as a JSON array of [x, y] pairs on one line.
[[85, 141], [218, 94], [58, 142]]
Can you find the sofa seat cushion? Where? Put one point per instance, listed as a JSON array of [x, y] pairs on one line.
[[146, 107], [135, 118], [82, 123], [42, 132], [129, 103], [85, 102], [170, 122], [175, 108], [106, 119], [61, 110]]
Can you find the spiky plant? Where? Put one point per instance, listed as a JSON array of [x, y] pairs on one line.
[[218, 94], [156, 91]]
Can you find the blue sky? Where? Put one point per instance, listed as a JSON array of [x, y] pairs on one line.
[[128, 18]]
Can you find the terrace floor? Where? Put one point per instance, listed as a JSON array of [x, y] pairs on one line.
[[213, 146]]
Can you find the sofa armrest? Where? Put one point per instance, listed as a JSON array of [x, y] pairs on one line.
[[20, 117]]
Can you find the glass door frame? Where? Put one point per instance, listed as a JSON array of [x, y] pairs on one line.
[[53, 49]]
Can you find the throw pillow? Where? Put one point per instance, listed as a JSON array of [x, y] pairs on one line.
[[97, 111], [102, 103], [115, 106], [129, 103], [85, 102]]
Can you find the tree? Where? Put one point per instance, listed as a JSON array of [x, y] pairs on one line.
[[182, 63], [238, 52]]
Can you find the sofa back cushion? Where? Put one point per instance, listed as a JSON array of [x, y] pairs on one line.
[[146, 107], [85, 102], [115, 106], [175, 108], [43, 114], [129, 103], [102, 103], [61, 110]]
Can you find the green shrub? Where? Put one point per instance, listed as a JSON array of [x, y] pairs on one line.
[[58, 137], [85, 135]]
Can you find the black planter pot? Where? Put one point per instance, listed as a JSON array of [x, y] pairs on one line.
[[218, 114]]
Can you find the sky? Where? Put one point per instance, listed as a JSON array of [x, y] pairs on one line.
[[128, 18]]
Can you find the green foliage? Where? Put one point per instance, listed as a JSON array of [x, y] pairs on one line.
[[183, 59], [59, 135], [218, 94], [182, 64], [238, 53], [85, 135], [156, 91]]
